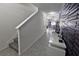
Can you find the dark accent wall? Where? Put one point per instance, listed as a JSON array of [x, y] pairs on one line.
[[70, 29]]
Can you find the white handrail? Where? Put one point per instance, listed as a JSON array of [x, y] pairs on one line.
[[22, 23]]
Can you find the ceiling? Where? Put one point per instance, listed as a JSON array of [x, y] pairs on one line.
[[49, 7]]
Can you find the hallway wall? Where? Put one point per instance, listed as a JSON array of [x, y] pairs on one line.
[[31, 31], [11, 14]]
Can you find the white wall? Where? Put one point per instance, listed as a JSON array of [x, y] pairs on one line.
[[31, 31], [10, 16]]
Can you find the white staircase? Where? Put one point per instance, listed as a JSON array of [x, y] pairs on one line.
[[29, 31]]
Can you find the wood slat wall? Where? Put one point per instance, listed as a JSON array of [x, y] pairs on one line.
[[70, 34]]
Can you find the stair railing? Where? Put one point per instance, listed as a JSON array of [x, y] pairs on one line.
[[20, 25]]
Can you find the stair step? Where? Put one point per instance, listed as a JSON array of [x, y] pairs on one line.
[[14, 46], [16, 40]]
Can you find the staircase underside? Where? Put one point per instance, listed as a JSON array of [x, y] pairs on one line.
[[14, 44]]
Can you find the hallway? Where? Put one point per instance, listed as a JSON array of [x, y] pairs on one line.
[[39, 29]]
